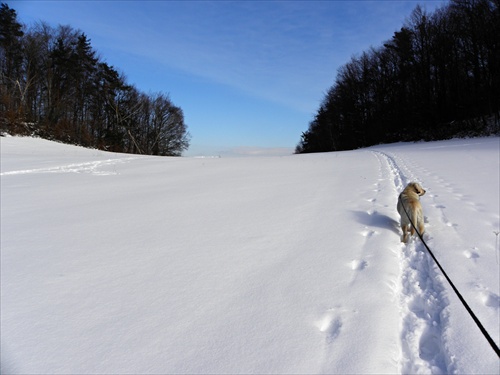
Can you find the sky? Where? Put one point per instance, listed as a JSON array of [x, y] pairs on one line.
[[248, 75]]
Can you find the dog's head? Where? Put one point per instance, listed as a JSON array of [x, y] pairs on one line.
[[415, 186]]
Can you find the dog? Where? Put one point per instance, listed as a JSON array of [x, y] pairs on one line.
[[409, 207]]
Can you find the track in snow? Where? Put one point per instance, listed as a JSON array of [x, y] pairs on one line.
[[88, 167], [422, 297]]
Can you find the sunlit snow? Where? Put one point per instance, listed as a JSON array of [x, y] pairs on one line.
[[114, 263]]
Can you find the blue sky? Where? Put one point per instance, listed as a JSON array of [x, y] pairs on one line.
[[249, 75]]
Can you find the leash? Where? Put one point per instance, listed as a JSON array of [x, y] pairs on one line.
[[469, 310]]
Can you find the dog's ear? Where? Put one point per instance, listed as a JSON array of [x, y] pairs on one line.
[[415, 188]]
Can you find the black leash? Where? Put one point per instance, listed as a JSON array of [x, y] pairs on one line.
[[474, 317]]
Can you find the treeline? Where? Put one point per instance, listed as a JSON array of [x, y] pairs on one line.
[[437, 78], [53, 84]]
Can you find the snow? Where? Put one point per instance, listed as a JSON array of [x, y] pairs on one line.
[[114, 263]]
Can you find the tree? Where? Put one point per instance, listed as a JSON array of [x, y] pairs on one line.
[[11, 32], [437, 77], [53, 84]]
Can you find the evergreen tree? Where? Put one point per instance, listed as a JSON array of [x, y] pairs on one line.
[[11, 90], [437, 77]]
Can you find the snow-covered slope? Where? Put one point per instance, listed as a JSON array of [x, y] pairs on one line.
[[115, 263]]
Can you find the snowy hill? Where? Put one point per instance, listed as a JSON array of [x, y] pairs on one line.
[[114, 263]]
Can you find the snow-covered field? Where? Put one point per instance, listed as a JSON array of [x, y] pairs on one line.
[[116, 264]]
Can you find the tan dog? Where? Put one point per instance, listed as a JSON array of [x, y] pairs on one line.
[[409, 207]]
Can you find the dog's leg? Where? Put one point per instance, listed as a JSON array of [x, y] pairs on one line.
[[405, 232], [421, 228]]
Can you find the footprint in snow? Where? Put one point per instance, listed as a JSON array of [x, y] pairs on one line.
[[490, 299], [470, 254], [358, 264], [368, 233], [330, 325]]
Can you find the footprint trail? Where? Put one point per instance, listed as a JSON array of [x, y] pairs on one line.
[[422, 297]]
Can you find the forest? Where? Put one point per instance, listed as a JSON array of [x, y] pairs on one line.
[[437, 78], [54, 85]]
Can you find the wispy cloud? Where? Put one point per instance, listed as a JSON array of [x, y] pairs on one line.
[[286, 52], [282, 51]]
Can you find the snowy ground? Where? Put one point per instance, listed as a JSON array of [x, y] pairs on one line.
[[114, 263]]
